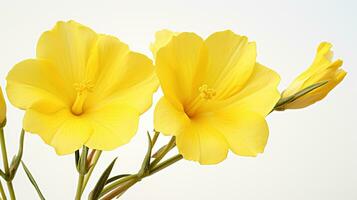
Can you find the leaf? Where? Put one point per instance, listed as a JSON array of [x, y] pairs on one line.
[[15, 163], [32, 180], [114, 178], [94, 195]]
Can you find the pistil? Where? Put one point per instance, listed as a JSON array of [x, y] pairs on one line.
[[82, 90]]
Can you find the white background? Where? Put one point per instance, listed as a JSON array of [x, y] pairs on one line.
[[311, 153]]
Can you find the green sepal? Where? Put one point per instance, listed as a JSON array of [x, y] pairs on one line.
[[82, 166], [280, 105], [16, 160]]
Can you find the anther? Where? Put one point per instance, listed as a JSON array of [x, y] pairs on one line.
[[206, 92]]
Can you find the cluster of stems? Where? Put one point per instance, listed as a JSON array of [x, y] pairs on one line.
[[10, 170], [118, 185]]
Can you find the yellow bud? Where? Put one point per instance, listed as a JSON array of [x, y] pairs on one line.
[[323, 69], [2, 107]]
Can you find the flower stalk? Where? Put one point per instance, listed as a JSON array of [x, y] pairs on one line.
[[6, 164], [82, 170], [3, 195]]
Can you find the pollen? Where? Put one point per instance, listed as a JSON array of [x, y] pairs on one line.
[[82, 90], [206, 92]]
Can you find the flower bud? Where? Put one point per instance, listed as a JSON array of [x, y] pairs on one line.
[[2, 108], [323, 69]]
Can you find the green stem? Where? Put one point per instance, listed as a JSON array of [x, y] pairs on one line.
[[79, 186], [95, 161], [115, 184], [82, 170], [3, 195], [124, 184], [117, 192], [165, 151], [154, 139], [165, 164], [6, 164]]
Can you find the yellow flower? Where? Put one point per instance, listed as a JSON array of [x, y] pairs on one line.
[[216, 96], [82, 88], [2, 108], [321, 70]]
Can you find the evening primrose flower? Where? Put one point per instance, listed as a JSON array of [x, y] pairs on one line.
[[82, 88], [323, 70], [216, 96], [2, 108]]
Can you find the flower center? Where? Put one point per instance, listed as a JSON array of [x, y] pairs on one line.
[[82, 90], [206, 92]]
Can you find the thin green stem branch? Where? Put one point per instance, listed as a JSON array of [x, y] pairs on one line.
[[154, 139], [165, 164], [164, 152], [120, 190], [6, 164], [3, 195], [120, 186], [115, 184]]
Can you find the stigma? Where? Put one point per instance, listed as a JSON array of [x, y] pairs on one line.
[[206, 92], [82, 90]]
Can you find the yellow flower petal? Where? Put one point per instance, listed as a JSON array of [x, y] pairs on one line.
[[178, 64], [161, 39], [246, 132], [68, 46], [113, 125], [260, 93], [65, 141], [231, 62], [168, 119], [107, 65], [57, 126], [119, 75], [34, 80], [200, 142]]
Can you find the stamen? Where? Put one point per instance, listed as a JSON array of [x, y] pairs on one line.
[[82, 90], [206, 92]]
